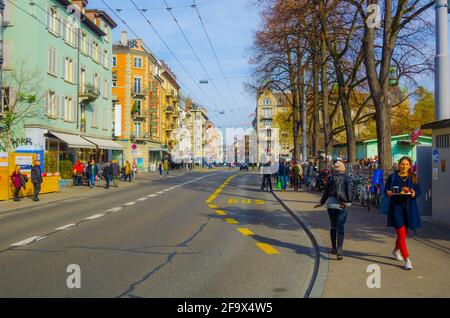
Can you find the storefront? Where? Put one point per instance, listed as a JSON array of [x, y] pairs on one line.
[[106, 149]]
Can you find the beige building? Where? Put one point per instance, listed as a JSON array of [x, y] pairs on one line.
[[269, 104], [197, 123]]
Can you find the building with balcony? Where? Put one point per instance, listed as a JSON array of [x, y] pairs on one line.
[[137, 88], [268, 105], [197, 123], [69, 62]]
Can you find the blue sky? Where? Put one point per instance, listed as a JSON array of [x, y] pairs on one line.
[[230, 25]]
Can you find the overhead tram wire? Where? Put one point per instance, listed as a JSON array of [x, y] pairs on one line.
[[196, 56], [80, 38], [171, 52], [195, 7], [157, 33]]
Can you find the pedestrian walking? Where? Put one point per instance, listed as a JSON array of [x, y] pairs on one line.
[[266, 182], [297, 174], [283, 174], [92, 173], [107, 173], [166, 167], [134, 169], [77, 171], [160, 169], [128, 171], [36, 179], [338, 197], [16, 179], [115, 169], [403, 188]]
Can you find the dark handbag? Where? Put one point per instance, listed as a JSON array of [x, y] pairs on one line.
[[385, 200], [23, 181]]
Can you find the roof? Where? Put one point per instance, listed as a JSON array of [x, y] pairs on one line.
[[444, 123], [105, 16]]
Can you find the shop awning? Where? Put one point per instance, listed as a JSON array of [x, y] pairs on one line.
[[105, 143], [74, 141]]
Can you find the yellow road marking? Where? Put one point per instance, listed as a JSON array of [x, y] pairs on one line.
[[268, 249], [246, 201], [221, 212], [245, 231], [213, 206], [231, 221], [232, 201], [213, 196], [259, 202]]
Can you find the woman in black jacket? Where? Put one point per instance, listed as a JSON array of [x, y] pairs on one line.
[[338, 198]]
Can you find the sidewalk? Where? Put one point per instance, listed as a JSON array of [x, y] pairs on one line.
[[369, 241], [67, 193]]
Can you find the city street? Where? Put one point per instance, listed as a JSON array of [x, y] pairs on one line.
[[198, 235]]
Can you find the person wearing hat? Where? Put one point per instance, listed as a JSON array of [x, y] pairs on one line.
[[338, 198], [36, 179]]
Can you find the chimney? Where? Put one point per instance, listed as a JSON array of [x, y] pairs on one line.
[[124, 38]]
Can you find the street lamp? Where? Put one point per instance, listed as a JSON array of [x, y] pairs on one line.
[[442, 77]]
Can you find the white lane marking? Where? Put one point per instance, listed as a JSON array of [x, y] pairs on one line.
[[116, 209], [95, 216], [41, 238], [142, 199], [130, 203], [26, 241], [151, 196], [160, 192], [65, 227]]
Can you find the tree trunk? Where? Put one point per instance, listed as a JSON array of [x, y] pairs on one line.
[[295, 106], [327, 126], [316, 106]]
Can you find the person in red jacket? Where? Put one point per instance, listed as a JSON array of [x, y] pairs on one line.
[[16, 179], [77, 173]]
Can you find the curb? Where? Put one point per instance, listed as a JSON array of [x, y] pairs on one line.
[[132, 185], [319, 274]]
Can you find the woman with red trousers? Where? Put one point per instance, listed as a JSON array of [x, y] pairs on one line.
[[402, 187]]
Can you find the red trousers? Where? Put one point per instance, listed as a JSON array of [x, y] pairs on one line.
[[400, 244]]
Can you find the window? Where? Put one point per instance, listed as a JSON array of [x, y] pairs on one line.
[[68, 108], [267, 113], [443, 141], [105, 59], [137, 84], [267, 102], [106, 89], [94, 117], [69, 70], [108, 32], [105, 118], [267, 122], [137, 130], [114, 80], [84, 43], [69, 34], [197, 117], [96, 81], [137, 62], [269, 133], [95, 53], [114, 61], [52, 60], [51, 104], [52, 20], [82, 77]]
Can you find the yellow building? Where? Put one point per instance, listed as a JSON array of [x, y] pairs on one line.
[[169, 111], [137, 94]]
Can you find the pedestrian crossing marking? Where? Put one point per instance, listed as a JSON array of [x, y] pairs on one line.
[[232, 201], [245, 231], [213, 206], [259, 202], [246, 201], [268, 249], [231, 221], [221, 212]]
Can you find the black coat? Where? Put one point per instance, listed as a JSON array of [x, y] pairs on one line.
[[339, 186], [107, 171], [89, 170], [36, 174]]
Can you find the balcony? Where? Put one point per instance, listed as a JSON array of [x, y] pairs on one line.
[[88, 92], [170, 93], [169, 110], [140, 137], [140, 94], [139, 116]]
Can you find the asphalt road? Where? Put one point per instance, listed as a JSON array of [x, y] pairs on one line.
[[200, 238]]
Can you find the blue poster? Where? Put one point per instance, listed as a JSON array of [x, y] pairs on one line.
[[435, 155]]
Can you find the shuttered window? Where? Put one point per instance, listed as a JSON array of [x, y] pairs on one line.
[[443, 141]]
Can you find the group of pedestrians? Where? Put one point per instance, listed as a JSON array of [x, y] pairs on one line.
[[19, 180], [401, 191], [288, 173]]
